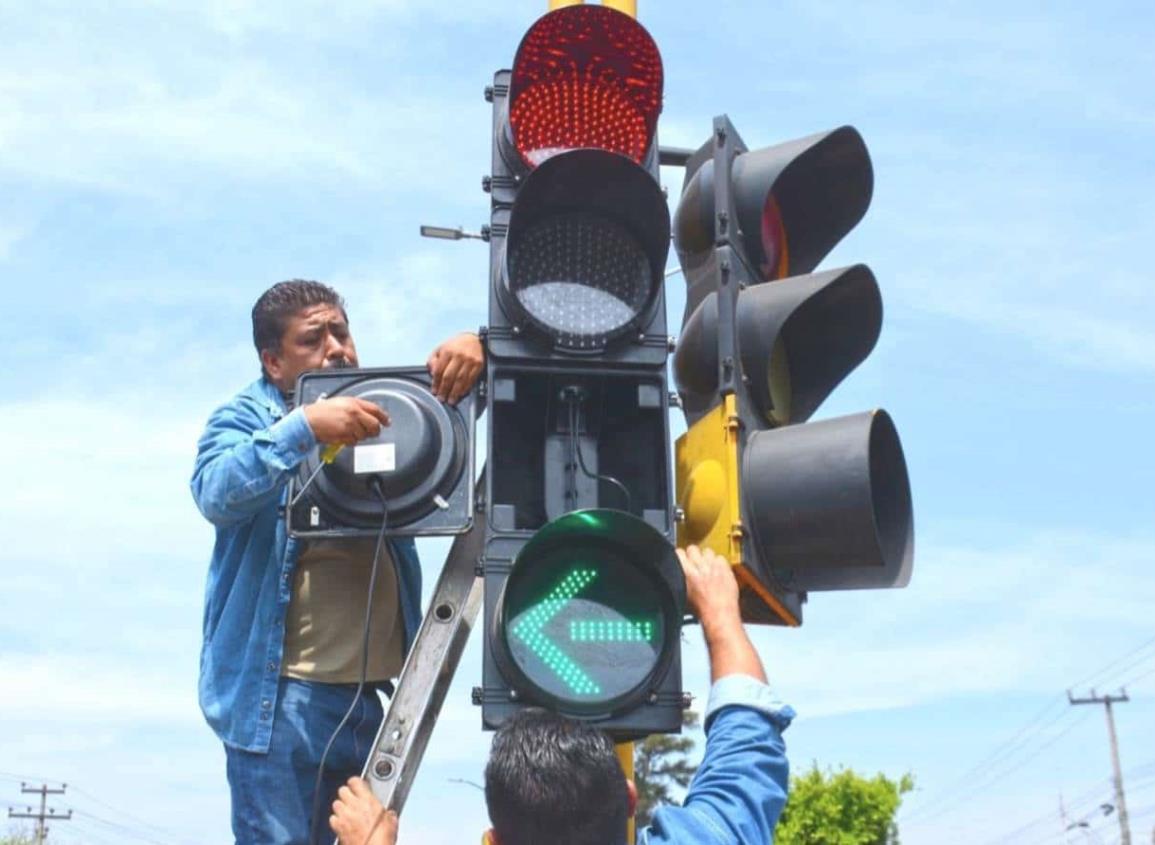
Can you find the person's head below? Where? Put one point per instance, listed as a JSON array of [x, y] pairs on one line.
[[301, 325], [555, 780]]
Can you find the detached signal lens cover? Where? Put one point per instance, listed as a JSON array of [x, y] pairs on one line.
[[585, 76], [419, 468]]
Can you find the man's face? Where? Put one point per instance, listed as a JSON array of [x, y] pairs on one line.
[[315, 338]]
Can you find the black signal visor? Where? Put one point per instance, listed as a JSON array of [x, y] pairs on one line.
[[587, 246]]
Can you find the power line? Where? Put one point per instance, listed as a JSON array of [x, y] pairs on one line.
[[156, 829], [1013, 836], [990, 759], [122, 829], [143, 829], [1050, 715], [993, 773], [1136, 680], [1095, 676], [1140, 774]]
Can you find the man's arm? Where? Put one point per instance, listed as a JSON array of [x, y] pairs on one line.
[[243, 465], [739, 790], [712, 592]]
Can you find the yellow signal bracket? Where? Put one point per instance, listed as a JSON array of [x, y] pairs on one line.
[[708, 490], [706, 483], [627, 7]]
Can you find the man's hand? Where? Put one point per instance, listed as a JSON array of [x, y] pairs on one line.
[[455, 365], [711, 588], [712, 593], [359, 819], [345, 420]]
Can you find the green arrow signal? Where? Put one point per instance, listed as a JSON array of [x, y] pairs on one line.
[[529, 630]]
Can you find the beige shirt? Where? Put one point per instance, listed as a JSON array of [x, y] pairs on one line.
[[324, 626]]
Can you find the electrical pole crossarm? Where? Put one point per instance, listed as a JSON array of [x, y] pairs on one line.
[[44, 790], [1094, 699]]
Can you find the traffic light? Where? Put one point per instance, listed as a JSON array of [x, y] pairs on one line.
[[583, 593], [795, 506]]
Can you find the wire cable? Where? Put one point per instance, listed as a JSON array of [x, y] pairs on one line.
[[1051, 715], [1002, 752], [120, 829], [376, 484], [988, 781], [576, 446], [160, 831], [1117, 661]]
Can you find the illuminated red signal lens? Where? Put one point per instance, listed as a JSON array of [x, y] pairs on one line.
[[585, 76], [777, 259]]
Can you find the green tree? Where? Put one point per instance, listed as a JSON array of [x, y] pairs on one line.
[[660, 764], [15, 836], [841, 808]]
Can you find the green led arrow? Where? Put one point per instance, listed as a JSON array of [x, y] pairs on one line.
[[610, 631], [529, 630]]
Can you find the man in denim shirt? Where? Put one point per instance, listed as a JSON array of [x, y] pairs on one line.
[[555, 781], [281, 655]]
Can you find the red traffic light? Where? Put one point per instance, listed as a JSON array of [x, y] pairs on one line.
[[793, 202], [585, 76]]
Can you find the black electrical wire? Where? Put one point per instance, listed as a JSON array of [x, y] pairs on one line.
[[375, 482], [576, 441]]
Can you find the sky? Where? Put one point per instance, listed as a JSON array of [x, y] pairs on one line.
[[162, 163]]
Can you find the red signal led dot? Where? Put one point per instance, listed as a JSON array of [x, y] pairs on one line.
[[585, 76]]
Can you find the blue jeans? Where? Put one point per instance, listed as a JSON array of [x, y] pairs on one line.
[[272, 794]]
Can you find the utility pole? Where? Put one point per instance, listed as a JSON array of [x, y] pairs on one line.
[[45, 812], [1120, 803]]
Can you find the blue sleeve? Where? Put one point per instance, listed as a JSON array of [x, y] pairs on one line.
[[739, 790], [243, 464]]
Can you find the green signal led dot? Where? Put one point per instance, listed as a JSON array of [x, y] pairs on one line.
[[617, 631], [529, 630]]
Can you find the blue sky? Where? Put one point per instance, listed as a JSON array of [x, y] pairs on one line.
[[161, 163]]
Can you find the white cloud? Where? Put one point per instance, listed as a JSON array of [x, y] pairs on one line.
[[401, 311], [127, 120], [91, 688], [315, 20], [1004, 619]]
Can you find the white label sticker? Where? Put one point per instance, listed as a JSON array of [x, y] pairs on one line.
[[376, 457]]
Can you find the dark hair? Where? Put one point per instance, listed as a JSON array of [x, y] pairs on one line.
[[280, 302], [553, 780]]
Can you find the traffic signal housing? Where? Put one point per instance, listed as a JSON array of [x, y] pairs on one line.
[[587, 621], [583, 592], [794, 506]]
